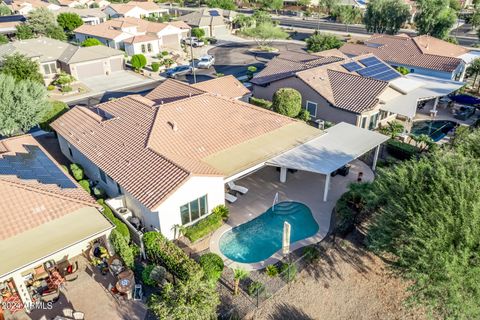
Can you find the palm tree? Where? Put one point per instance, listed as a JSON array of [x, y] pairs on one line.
[[393, 129], [474, 68], [238, 274], [178, 231]]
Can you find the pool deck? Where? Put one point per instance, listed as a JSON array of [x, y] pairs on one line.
[[302, 186]]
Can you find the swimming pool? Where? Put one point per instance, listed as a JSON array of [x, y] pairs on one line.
[[258, 239], [435, 129]]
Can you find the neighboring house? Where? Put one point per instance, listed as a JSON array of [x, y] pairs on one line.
[[134, 35], [424, 54], [100, 4], [168, 155], [227, 86], [362, 91], [24, 7], [211, 20], [46, 215], [92, 16], [135, 9], [54, 56], [8, 24]]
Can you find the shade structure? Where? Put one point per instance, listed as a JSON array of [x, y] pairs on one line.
[[427, 88], [340, 145]]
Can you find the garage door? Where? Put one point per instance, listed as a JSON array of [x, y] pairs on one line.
[[171, 41], [220, 31], [90, 70], [116, 64]]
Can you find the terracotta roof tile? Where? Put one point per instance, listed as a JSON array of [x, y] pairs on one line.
[[439, 55], [30, 195], [171, 90], [227, 86]]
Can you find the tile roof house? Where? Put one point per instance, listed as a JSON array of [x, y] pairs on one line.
[[213, 21], [46, 215], [423, 54], [135, 9], [329, 91], [54, 55], [24, 7], [173, 147], [134, 35], [89, 16], [101, 4], [8, 24]]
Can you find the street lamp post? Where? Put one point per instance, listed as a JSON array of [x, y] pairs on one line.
[[193, 62]]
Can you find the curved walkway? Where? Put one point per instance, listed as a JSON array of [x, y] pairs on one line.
[[304, 187]]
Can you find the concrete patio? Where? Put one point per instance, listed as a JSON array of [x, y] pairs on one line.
[[301, 186], [444, 112], [89, 294]]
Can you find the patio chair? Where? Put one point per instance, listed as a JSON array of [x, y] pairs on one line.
[[67, 312], [50, 296], [78, 315], [72, 275], [230, 198], [237, 188]]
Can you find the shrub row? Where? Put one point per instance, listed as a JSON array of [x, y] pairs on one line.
[[401, 150], [261, 103], [212, 265], [119, 225], [344, 216], [162, 251], [208, 224]]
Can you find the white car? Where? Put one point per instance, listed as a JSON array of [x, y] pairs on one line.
[[205, 62], [193, 41]]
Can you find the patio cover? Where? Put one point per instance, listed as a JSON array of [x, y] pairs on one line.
[[29, 246], [406, 105], [340, 145]]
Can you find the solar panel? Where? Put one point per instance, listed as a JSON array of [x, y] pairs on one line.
[[370, 61], [387, 76], [368, 72], [352, 66]]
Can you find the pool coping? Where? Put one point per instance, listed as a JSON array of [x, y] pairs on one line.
[[276, 256]]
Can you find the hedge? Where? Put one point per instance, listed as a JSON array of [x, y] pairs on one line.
[[122, 248], [401, 150], [208, 224], [212, 265], [120, 226], [261, 103], [162, 251], [344, 216]]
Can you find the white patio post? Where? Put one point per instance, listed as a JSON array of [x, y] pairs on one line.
[[283, 174], [375, 157], [435, 103], [327, 185], [462, 76]]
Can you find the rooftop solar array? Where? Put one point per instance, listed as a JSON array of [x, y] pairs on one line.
[[372, 67], [34, 165]]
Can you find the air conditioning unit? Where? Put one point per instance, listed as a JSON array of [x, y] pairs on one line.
[[125, 212], [320, 124]]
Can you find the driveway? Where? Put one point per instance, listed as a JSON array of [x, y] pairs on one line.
[[115, 81]]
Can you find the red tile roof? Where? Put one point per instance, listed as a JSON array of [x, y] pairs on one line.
[[27, 200], [227, 86], [423, 51]]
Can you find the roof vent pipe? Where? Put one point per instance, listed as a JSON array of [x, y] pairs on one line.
[[174, 126]]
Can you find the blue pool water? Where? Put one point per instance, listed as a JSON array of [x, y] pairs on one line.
[[435, 129], [260, 238]]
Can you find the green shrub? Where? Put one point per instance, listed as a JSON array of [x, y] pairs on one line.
[[287, 101], [164, 53], [197, 32], [219, 74], [304, 115], [120, 244], [65, 168], [99, 193], [212, 266], [401, 150], [222, 210], [51, 87], [162, 251], [271, 270], [155, 66], [146, 275], [138, 61], [256, 287], [205, 226], [57, 109], [261, 103], [77, 171], [119, 225], [311, 254], [167, 62], [66, 89], [85, 184], [288, 271], [402, 70]]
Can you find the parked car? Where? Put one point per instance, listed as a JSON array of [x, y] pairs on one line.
[[205, 62], [194, 41], [178, 71]]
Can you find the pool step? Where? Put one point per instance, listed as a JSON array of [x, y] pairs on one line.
[[288, 208]]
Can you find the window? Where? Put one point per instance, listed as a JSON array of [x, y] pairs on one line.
[[143, 48], [373, 121], [194, 210], [50, 68], [103, 177], [364, 122], [311, 107], [383, 114], [149, 47], [70, 151]]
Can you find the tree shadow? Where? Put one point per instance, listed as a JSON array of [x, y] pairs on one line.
[[285, 311]]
